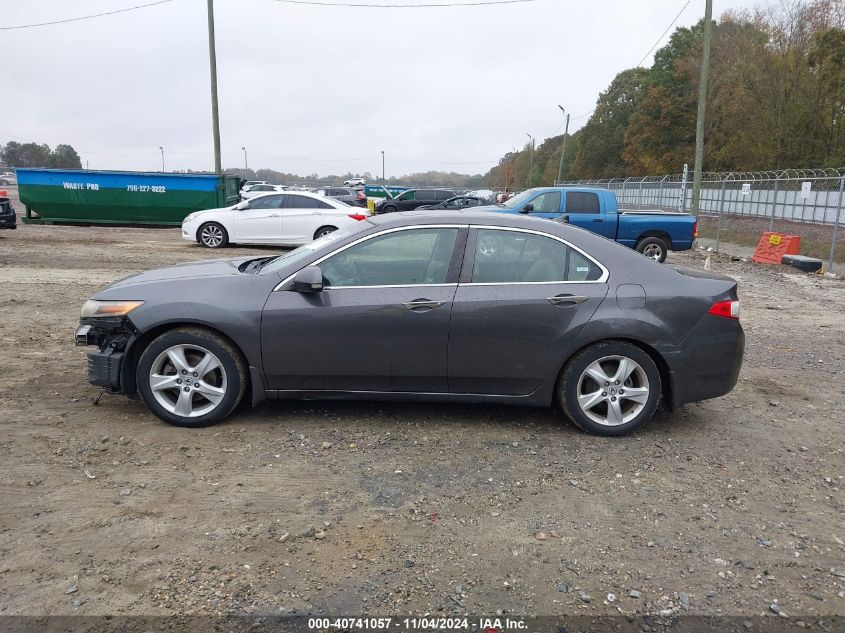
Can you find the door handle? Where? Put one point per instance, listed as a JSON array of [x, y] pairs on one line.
[[558, 300], [273, 215], [416, 304], [597, 220]]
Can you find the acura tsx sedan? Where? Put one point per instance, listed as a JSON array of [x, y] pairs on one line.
[[458, 306]]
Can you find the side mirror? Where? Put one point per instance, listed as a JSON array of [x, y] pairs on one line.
[[528, 208], [309, 279], [243, 204]]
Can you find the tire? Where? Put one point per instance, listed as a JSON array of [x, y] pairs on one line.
[[654, 248], [181, 397], [212, 235], [609, 414], [324, 230], [388, 209]]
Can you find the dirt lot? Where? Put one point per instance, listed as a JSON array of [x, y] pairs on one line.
[[723, 507]]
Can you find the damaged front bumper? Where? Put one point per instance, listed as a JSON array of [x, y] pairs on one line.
[[113, 338]]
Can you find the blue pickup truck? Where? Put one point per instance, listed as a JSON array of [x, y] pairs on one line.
[[652, 233]]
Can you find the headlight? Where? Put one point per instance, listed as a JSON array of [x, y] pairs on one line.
[[189, 217], [94, 308]]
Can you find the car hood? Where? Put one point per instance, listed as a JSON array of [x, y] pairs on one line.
[[190, 270]]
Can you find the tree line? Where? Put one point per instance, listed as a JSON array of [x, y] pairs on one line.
[[776, 99], [15, 154]]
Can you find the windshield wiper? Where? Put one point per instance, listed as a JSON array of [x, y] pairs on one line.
[[254, 265]]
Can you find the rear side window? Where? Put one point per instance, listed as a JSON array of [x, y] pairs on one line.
[[440, 196], [304, 202], [582, 202], [517, 257]]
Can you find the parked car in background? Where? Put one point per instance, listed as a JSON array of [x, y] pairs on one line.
[[457, 202], [8, 179], [283, 219], [354, 182], [652, 233], [255, 182], [8, 217], [413, 198], [250, 191], [349, 195], [463, 306]]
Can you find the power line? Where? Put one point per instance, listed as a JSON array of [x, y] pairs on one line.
[[664, 32], [83, 17], [434, 5]]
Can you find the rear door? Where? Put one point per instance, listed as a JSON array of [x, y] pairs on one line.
[[523, 298], [301, 217], [261, 223], [584, 210], [380, 324]]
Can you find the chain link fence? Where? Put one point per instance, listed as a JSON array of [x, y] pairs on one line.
[[738, 206]]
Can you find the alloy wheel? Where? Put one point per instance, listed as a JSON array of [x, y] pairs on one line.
[[613, 390], [211, 235], [653, 251], [188, 380]]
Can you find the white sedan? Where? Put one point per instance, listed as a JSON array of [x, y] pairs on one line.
[[281, 219], [259, 188]]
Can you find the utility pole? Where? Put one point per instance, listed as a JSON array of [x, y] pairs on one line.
[[212, 63], [383, 179], [246, 165], [530, 161], [562, 146], [161, 149], [702, 107]]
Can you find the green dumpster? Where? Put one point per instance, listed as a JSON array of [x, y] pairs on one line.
[[60, 196]]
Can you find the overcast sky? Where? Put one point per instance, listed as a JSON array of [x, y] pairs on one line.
[[317, 89]]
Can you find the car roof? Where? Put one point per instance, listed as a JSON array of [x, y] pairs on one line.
[[462, 216]]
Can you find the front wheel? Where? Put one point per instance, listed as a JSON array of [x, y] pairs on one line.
[[388, 209], [654, 248], [191, 377], [212, 235], [610, 388], [324, 230]]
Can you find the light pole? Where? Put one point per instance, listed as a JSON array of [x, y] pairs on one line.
[[702, 107], [212, 63], [161, 149], [246, 165], [383, 179], [562, 146], [530, 162]]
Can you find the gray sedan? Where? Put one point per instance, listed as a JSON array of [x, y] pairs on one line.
[[459, 306]]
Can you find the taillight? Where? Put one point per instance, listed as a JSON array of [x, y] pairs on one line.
[[357, 216], [359, 195], [727, 309], [694, 230]]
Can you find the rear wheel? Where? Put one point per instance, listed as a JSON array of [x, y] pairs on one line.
[[654, 248], [212, 235], [388, 209], [324, 230], [191, 377], [610, 388]]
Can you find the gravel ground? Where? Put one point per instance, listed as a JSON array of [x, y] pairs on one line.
[[731, 506]]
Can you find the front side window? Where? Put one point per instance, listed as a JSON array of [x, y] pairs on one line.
[[402, 258], [548, 202], [266, 202], [407, 196], [517, 257], [455, 203]]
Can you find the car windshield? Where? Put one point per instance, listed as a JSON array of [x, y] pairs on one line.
[[298, 254], [519, 200]]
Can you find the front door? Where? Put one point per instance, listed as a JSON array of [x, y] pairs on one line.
[[522, 300], [261, 223], [380, 324], [546, 205]]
